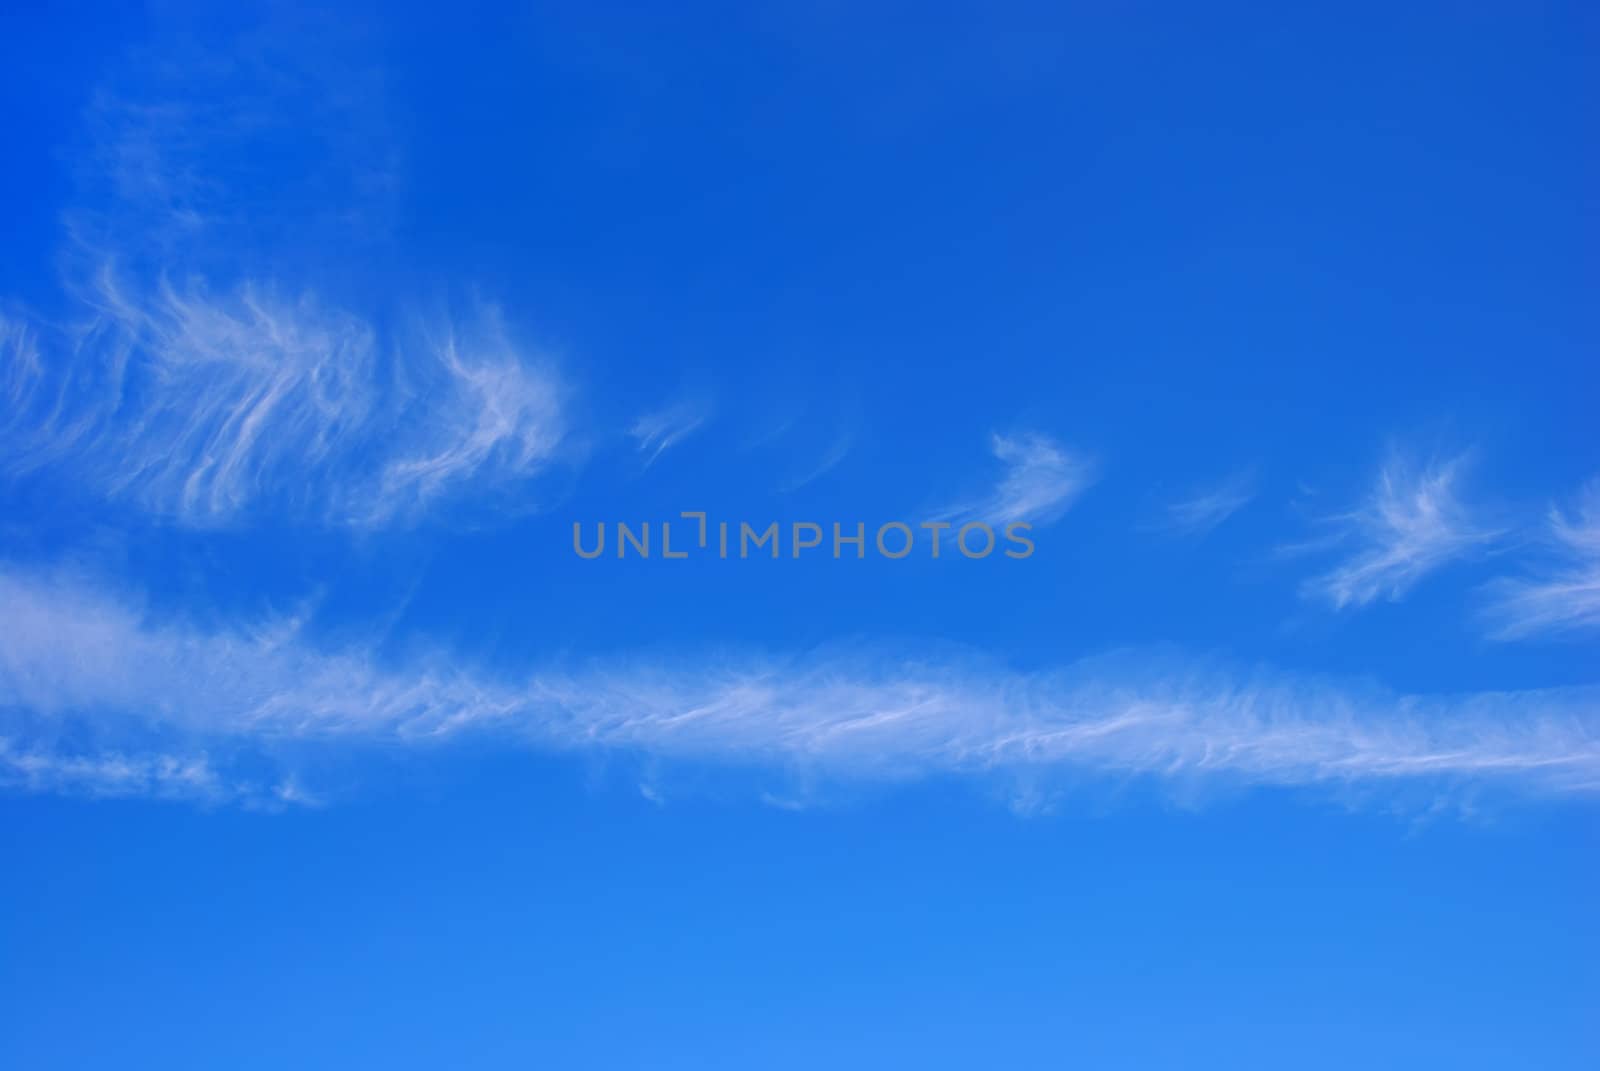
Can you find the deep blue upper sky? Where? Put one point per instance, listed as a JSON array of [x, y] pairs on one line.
[[320, 332]]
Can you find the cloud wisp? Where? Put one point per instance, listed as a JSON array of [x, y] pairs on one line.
[[1040, 481], [657, 432], [1202, 512], [187, 387], [1566, 598], [836, 450], [170, 708], [1411, 524], [208, 408]]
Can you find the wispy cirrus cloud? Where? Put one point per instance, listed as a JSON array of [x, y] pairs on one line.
[[1039, 482], [837, 449], [196, 700], [112, 774], [185, 385], [1412, 523], [806, 446], [657, 432], [1208, 508], [1566, 597], [207, 408]]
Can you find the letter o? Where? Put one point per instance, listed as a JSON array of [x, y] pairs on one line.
[[906, 528], [961, 539]]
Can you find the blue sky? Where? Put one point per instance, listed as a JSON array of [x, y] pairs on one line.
[[319, 333]]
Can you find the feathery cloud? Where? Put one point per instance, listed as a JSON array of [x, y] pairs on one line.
[[1566, 598], [844, 715], [1040, 481], [1410, 525], [1202, 512], [112, 774], [657, 432], [211, 404], [207, 408]]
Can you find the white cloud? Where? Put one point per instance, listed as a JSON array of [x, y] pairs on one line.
[[1202, 512], [209, 408], [1040, 481], [655, 433], [857, 715], [1410, 525], [211, 404], [1566, 598], [111, 774]]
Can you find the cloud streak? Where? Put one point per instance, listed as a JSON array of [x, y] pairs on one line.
[[115, 774], [1205, 511], [1040, 481], [1411, 524], [187, 696], [209, 408], [1567, 597], [212, 404], [656, 433]]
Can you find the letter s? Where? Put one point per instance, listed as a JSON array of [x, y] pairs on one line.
[[1021, 540]]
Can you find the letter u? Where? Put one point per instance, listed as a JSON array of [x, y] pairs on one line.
[[577, 541]]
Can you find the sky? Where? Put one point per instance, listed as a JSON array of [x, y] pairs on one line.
[[1261, 342]]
